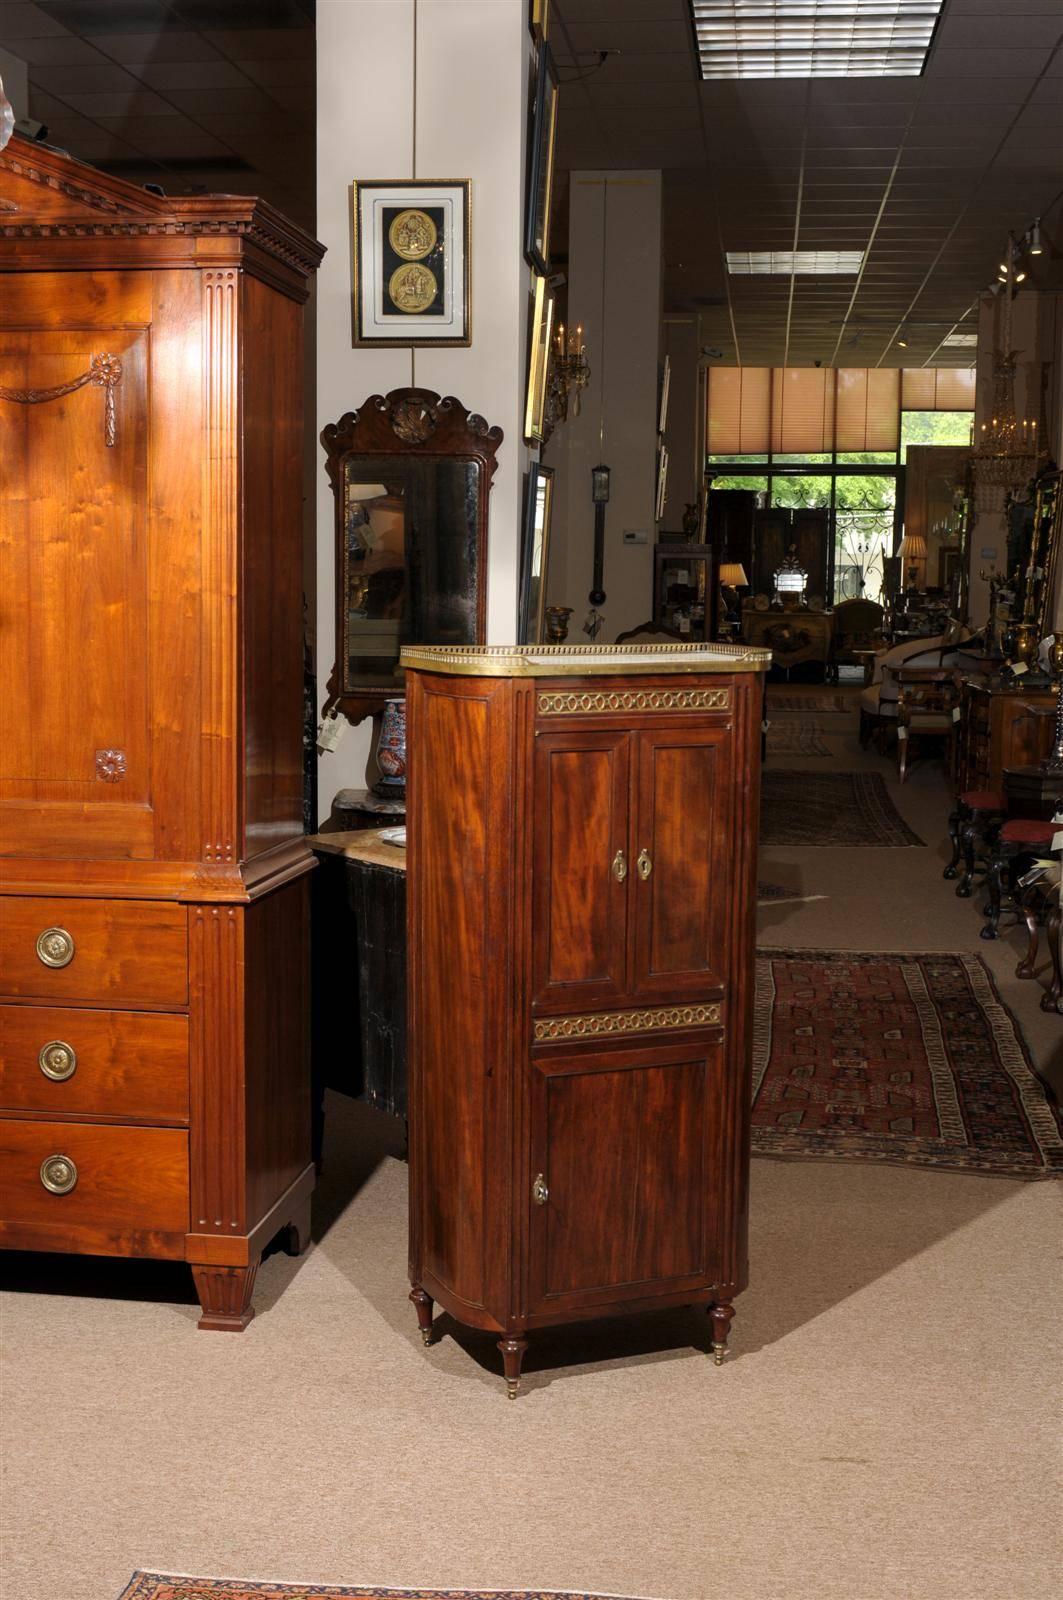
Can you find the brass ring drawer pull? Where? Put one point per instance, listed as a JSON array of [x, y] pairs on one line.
[[644, 865], [58, 1174], [55, 947], [57, 1060]]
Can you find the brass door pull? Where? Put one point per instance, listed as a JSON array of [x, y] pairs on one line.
[[540, 1192], [58, 1174], [644, 864], [57, 1060], [55, 947], [620, 866]]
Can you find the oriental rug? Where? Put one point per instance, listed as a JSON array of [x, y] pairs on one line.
[[778, 699], [159, 1586], [796, 736], [904, 1059], [830, 808]]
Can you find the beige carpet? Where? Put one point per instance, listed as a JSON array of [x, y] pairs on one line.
[[886, 1428]]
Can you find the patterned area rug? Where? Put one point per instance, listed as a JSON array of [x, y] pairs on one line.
[[905, 1059], [814, 700], [822, 808], [157, 1586], [779, 894], [796, 736]]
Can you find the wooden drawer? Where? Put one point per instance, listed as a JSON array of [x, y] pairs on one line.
[[127, 1179], [124, 952], [129, 1064]]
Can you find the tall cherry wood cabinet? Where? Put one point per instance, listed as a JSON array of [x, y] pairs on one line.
[[581, 876], [153, 889]]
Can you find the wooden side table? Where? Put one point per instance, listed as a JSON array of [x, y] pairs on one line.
[[358, 942]]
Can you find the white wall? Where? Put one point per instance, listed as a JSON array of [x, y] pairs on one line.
[[615, 220], [16, 86], [472, 64]]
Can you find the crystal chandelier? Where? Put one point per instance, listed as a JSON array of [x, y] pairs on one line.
[[569, 373], [1008, 450]]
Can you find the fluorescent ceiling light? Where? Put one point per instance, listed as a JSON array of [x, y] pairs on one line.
[[967, 340], [814, 38], [831, 263]]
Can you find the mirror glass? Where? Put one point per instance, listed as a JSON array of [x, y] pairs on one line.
[[410, 554]]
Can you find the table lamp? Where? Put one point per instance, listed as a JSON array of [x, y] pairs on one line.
[[733, 577], [913, 550]]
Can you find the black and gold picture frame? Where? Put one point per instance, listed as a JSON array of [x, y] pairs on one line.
[[539, 18], [535, 555], [410, 278], [538, 359], [541, 141]]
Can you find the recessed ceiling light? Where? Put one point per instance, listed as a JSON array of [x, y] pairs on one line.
[[814, 38], [832, 263], [967, 340]]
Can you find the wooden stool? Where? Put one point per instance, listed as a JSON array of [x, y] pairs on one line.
[[1021, 836], [975, 814]]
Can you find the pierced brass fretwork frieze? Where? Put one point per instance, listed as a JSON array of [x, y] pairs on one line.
[[591, 1024], [575, 703]]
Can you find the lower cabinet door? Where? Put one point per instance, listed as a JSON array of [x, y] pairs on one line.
[[628, 1153]]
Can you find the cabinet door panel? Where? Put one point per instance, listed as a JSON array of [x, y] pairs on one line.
[[627, 1143], [681, 908], [580, 900], [75, 756]]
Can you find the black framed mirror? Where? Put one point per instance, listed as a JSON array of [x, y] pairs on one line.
[[410, 474]]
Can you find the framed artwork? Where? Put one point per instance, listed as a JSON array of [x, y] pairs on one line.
[[535, 552], [410, 278], [662, 420], [539, 18], [541, 143], [538, 359], [662, 482]]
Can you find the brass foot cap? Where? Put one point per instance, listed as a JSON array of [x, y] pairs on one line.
[[718, 1353], [426, 1336], [511, 1390]]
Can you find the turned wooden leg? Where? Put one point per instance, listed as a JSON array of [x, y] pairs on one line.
[[295, 1238], [1051, 1000], [968, 834], [423, 1305], [512, 1356], [225, 1296], [992, 910], [1029, 907], [957, 847], [721, 1317]]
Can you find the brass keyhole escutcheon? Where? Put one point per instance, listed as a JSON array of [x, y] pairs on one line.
[[620, 866], [644, 865], [55, 947], [58, 1174], [57, 1060], [540, 1192]]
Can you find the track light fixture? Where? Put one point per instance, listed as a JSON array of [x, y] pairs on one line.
[[1036, 247]]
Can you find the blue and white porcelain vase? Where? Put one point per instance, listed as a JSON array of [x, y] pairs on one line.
[[391, 752]]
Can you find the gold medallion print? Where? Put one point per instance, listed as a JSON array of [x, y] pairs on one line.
[[412, 235], [413, 288]]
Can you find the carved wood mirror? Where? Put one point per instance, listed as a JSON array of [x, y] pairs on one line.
[[410, 474]]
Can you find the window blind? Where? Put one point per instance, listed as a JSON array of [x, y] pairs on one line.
[[938, 389]]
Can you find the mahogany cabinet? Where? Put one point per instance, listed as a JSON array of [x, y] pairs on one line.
[[581, 917], [1001, 726], [154, 1080]]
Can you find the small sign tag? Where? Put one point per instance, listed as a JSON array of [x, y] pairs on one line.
[[957, 714], [331, 732], [1018, 668], [902, 733], [1057, 841]]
